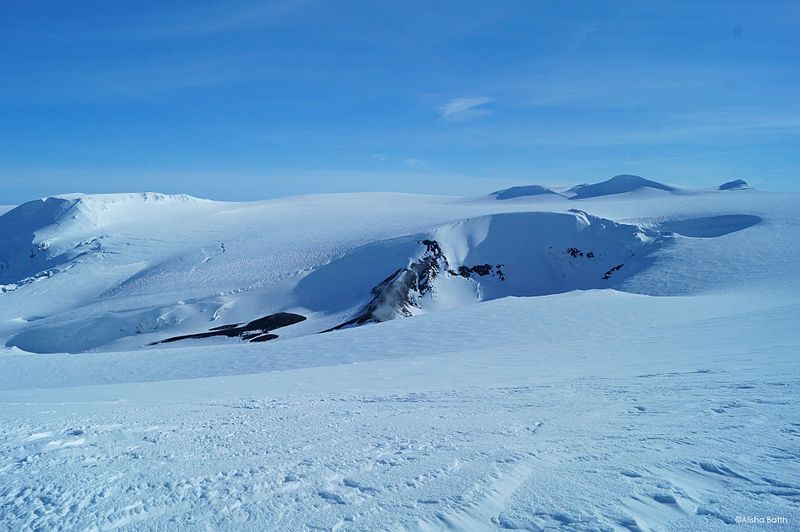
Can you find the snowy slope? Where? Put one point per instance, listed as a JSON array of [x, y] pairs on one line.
[[736, 184], [525, 384], [524, 191], [620, 184], [124, 271], [623, 184]]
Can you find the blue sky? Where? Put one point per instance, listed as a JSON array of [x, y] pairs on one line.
[[248, 100]]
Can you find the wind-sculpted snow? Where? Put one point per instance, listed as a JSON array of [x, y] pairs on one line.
[[710, 226]]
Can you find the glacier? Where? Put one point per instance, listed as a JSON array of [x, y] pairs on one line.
[[618, 356]]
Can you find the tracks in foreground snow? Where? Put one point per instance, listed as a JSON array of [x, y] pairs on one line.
[[690, 449]]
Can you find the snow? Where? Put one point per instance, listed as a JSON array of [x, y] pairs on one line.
[[664, 397], [710, 226], [528, 190], [619, 184], [737, 184]]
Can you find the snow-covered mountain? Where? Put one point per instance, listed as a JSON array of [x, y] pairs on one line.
[[524, 191], [736, 184], [617, 185], [133, 270], [531, 359], [620, 184]]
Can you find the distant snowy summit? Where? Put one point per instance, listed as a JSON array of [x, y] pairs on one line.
[[619, 184], [738, 184], [78, 209], [41, 236], [529, 190]]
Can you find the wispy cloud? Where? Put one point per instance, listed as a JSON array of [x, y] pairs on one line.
[[163, 24], [462, 109], [417, 164], [199, 21]]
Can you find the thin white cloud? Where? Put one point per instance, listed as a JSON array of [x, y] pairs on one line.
[[417, 164], [222, 18], [462, 109]]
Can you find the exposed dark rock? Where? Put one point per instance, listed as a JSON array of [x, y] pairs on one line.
[[575, 252], [608, 274], [397, 294], [274, 321], [480, 270], [432, 247], [255, 331]]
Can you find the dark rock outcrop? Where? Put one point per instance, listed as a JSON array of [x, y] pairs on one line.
[[481, 270], [610, 272], [397, 294], [259, 330], [575, 253]]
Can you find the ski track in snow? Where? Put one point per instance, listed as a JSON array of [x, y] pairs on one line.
[[584, 410], [670, 447]]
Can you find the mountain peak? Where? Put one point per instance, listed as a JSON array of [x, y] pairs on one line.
[[737, 184], [521, 191], [619, 184]]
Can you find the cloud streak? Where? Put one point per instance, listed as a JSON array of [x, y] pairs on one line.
[[463, 109], [197, 22], [417, 164]]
